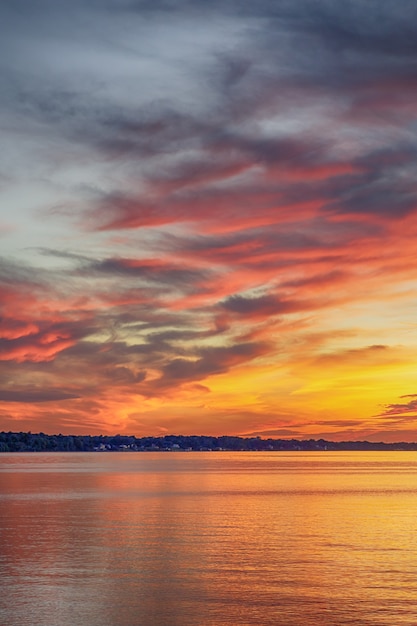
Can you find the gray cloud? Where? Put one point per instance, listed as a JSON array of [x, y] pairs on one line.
[[400, 409], [210, 361], [162, 272], [264, 306], [287, 58], [30, 395]]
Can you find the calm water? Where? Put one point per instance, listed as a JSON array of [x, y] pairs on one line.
[[208, 539]]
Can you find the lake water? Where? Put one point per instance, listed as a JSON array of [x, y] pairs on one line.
[[208, 539]]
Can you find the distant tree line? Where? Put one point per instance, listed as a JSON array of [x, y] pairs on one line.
[[40, 442]]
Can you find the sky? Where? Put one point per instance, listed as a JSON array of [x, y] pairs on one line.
[[208, 217]]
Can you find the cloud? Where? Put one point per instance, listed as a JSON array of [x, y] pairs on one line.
[[150, 270], [209, 362], [400, 409], [352, 357], [259, 307], [30, 396], [43, 347], [343, 423], [286, 433]]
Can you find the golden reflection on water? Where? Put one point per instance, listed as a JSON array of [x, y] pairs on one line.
[[208, 539]]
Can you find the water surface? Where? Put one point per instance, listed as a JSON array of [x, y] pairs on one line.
[[208, 539]]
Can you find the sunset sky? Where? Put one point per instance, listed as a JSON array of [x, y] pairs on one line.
[[208, 218]]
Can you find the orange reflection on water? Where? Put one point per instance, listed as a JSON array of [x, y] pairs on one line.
[[211, 539]]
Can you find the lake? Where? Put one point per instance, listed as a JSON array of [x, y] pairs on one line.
[[208, 539]]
